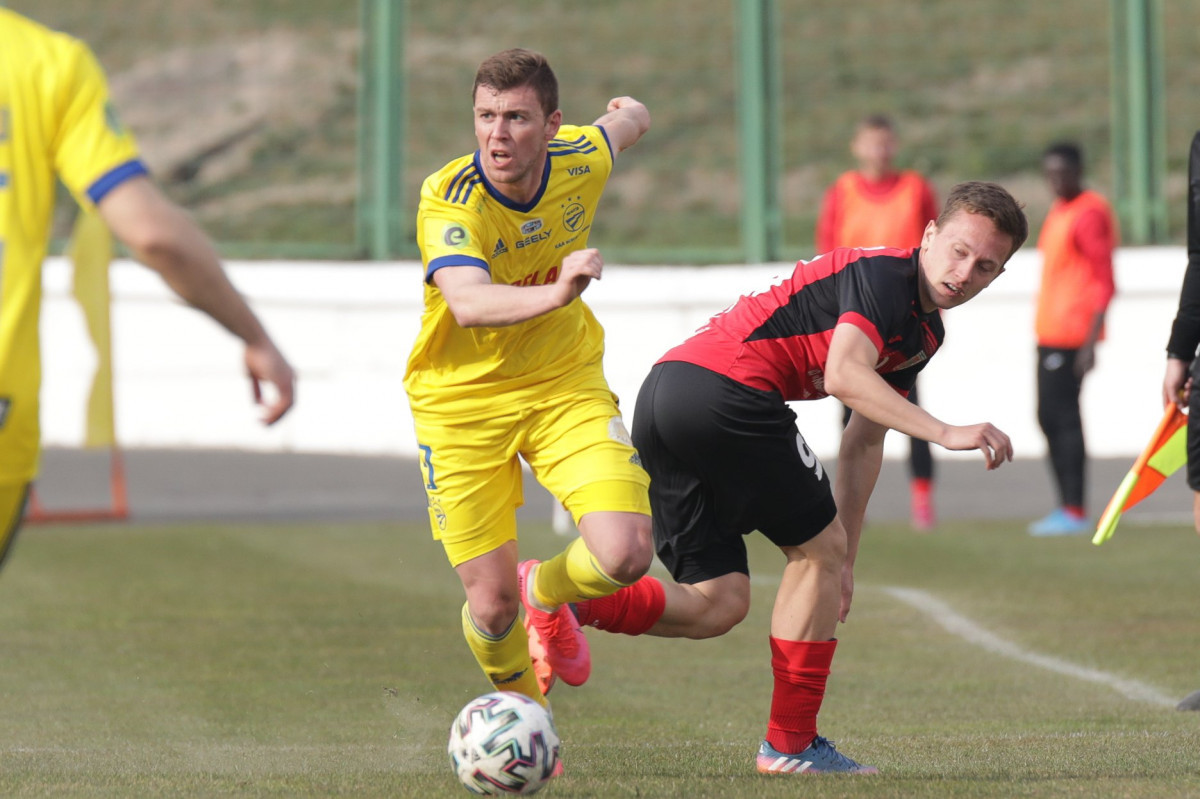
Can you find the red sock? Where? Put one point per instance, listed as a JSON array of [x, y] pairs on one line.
[[801, 669], [632, 610], [1075, 511]]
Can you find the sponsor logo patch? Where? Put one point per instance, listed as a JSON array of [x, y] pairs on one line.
[[454, 235]]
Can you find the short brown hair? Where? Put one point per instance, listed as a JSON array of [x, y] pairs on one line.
[[512, 69], [993, 201], [877, 122]]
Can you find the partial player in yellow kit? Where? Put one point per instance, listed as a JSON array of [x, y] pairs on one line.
[[507, 366], [57, 121]]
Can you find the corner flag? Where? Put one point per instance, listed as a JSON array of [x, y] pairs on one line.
[[1163, 456]]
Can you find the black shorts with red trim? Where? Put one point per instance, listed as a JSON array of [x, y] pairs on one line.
[[724, 460]]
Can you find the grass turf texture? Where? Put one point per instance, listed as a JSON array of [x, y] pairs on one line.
[[307, 660]]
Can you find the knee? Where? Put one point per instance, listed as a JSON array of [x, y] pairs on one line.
[[629, 553], [829, 550], [631, 564], [493, 611]]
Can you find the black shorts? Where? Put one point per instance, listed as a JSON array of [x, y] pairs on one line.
[[724, 460]]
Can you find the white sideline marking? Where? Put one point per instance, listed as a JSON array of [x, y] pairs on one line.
[[957, 624]]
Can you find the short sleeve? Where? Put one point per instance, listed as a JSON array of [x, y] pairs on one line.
[[93, 152], [449, 235]]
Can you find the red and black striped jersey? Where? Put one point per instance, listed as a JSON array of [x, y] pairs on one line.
[[777, 339]]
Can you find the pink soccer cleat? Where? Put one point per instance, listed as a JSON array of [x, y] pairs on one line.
[[558, 635]]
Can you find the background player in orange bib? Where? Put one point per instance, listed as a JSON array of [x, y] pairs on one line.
[[1077, 242], [878, 205]]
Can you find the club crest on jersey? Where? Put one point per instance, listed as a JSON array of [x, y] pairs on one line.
[[574, 214], [454, 235], [530, 227]]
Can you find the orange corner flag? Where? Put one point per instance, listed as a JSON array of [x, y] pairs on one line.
[[1163, 456]]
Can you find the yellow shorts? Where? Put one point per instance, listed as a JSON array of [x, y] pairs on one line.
[[579, 450], [12, 510]]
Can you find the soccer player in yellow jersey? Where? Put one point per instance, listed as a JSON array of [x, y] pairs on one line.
[[56, 121], [507, 366]]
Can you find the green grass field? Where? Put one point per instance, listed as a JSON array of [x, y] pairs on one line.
[[313, 660]]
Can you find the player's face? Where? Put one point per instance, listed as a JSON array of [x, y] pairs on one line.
[[960, 259], [512, 132], [1061, 174], [874, 149]]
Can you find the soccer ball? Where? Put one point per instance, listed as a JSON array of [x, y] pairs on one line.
[[503, 743]]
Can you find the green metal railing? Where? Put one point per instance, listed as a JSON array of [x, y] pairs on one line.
[[308, 127]]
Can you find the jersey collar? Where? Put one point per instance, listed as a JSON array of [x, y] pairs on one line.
[[522, 208]]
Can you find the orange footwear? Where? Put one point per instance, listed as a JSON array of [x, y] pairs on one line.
[[558, 633]]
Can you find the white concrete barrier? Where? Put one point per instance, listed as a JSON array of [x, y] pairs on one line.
[[348, 328]]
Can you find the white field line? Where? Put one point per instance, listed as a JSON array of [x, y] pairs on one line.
[[957, 624]]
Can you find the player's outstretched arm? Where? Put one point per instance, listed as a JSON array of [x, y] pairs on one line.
[[163, 237], [625, 121], [859, 459], [851, 377], [475, 301]]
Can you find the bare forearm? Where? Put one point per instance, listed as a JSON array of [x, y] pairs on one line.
[[190, 267], [497, 305], [868, 394], [859, 462]]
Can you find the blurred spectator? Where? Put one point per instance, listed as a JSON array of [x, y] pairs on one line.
[[877, 205], [1077, 243]]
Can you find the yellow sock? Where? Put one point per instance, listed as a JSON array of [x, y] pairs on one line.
[[571, 576], [504, 658]]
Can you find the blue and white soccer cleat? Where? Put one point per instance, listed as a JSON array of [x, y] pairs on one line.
[[1060, 522], [819, 758]]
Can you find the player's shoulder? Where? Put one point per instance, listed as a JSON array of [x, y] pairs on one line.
[[1096, 199], [580, 141], [30, 40], [455, 185], [877, 260]]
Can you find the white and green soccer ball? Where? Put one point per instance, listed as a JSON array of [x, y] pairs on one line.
[[503, 743]]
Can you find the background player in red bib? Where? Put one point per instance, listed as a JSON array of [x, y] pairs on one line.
[[715, 433], [1077, 243], [877, 205]]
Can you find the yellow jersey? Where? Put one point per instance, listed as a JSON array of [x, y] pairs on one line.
[[461, 374], [56, 119]]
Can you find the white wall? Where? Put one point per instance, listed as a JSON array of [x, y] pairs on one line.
[[348, 328]]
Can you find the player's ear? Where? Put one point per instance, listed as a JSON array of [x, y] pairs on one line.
[[930, 229], [553, 123]]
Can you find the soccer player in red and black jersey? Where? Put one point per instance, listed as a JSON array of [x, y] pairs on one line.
[[725, 457]]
